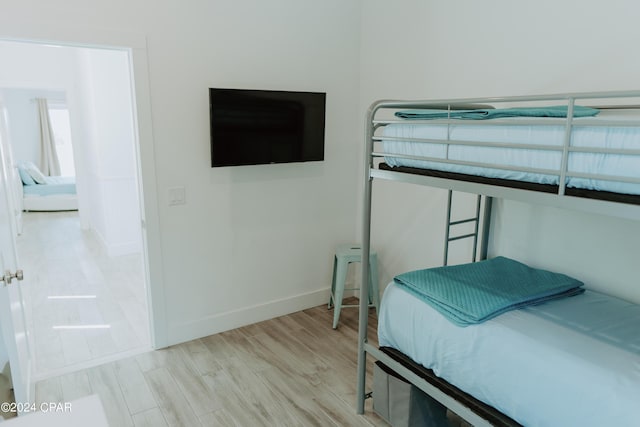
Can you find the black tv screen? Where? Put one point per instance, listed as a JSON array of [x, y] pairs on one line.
[[250, 127]]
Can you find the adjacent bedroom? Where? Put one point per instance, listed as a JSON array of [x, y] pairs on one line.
[[71, 139], [44, 156]]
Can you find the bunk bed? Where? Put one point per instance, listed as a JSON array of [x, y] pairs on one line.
[[572, 151]]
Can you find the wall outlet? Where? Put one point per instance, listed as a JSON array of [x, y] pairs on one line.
[[176, 196]]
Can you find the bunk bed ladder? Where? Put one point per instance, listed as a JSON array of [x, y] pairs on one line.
[[476, 231]]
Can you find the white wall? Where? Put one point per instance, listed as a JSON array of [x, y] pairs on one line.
[[496, 48], [256, 241], [108, 157], [250, 242]]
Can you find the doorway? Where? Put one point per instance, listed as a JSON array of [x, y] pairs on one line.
[[87, 293]]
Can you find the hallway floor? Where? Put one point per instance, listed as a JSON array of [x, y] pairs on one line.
[[83, 306]]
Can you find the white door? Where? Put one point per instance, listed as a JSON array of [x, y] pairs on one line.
[[12, 308]]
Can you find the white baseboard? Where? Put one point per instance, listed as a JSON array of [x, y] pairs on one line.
[[124, 249], [114, 250], [210, 325]]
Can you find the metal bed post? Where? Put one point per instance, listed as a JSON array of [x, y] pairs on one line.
[[476, 227], [445, 257], [486, 227], [363, 311], [565, 147]]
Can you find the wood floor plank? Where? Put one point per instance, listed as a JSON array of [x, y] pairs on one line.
[[257, 395], [133, 384], [150, 418], [218, 346], [219, 418], [200, 357], [162, 358], [300, 393], [244, 350], [174, 406], [286, 323], [251, 330], [75, 385], [193, 388], [235, 410], [340, 353], [279, 348], [341, 412], [49, 390], [105, 384]]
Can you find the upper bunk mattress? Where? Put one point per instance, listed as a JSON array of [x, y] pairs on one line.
[[620, 137], [574, 361]]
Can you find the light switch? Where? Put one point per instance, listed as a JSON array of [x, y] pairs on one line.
[[176, 196]]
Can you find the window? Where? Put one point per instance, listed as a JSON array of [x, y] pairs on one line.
[[59, 116]]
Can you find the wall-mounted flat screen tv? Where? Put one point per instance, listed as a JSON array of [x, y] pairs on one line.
[[250, 127]]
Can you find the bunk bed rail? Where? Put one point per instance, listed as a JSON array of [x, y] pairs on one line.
[[555, 156], [479, 102], [565, 148]]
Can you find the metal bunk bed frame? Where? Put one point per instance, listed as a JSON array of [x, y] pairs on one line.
[[559, 199]]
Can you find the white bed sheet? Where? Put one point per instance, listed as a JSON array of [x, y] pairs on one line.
[[561, 363], [46, 203], [551, 135]]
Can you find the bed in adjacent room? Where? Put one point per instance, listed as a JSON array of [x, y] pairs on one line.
[[46, 193]]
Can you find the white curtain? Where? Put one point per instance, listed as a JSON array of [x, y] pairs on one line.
[[49, 164]]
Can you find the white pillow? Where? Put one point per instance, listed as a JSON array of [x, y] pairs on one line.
[[35, 173]]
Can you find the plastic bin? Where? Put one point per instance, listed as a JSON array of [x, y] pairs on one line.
[[402, 404]]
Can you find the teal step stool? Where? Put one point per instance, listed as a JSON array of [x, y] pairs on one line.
[[346, 254]]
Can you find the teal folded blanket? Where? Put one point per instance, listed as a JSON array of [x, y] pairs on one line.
[[498, 113], [472, 293]]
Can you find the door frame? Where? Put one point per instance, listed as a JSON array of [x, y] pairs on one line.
[[136, 46], [17, 342]]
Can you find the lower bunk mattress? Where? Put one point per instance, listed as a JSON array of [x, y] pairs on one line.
[[574, 361]]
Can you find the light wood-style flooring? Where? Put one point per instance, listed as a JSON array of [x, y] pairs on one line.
[[83, 306], [294, 370]]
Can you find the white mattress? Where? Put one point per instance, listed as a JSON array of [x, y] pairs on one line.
[[569, 362], [57, 202], [552, 135]]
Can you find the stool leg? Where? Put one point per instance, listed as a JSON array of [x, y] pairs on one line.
[[373, 282], [341, 277], [333, 283]]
